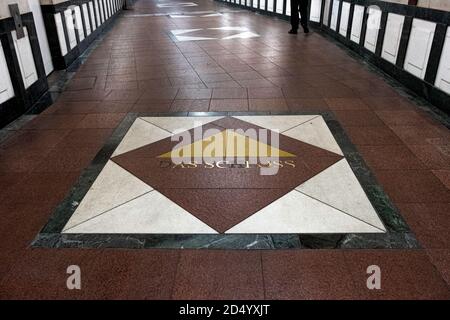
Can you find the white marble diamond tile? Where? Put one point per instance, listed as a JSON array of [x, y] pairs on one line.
[[113, 187], [140, 134], [150, 213], [281, 123], [315, 132], [173, 124], [338, 187], [331, 202], [298, 213]]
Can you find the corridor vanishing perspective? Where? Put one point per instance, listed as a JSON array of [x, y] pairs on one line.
[[197, 150]]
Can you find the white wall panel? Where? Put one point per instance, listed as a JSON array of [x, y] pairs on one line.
[[316, 7], [326, 12], [35, 7], [373, 29], [97, 13], [270, 4], [334, 14], [392, 37], [6, 88], [25, 57], [108, 6], [60, 32], [70, 27], [92, 14], [443, 73], [419, 47], [108, 9], [345, 15], [288, 7], [262, 5], [358, 17], [102, 16], [105, 9], [79, 23], [86, 18], [279, 8]]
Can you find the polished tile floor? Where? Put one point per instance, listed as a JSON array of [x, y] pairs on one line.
[[363, 149]]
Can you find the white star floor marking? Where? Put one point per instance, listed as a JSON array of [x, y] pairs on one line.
[[176, 4], [242, 33], [181, 16]]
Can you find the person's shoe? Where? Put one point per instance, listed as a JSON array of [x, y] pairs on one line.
[[305, 29], [292, 31]]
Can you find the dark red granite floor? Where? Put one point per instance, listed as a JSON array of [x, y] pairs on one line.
[[139, 68]]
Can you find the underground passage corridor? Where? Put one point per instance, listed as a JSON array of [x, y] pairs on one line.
[[197, 150]]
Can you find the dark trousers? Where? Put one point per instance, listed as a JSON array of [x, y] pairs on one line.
[[296, 6]]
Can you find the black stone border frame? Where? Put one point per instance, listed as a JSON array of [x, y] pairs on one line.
[[398, 235]]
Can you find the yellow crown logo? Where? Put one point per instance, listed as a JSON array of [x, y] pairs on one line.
[[226, 144]]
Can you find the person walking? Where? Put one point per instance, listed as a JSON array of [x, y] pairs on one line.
[[296, 6]]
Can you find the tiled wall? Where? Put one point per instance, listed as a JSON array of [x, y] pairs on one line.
[[411, 43], [56, 33], [22, 49], [73, 23], [23, 79], [385, 29]]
